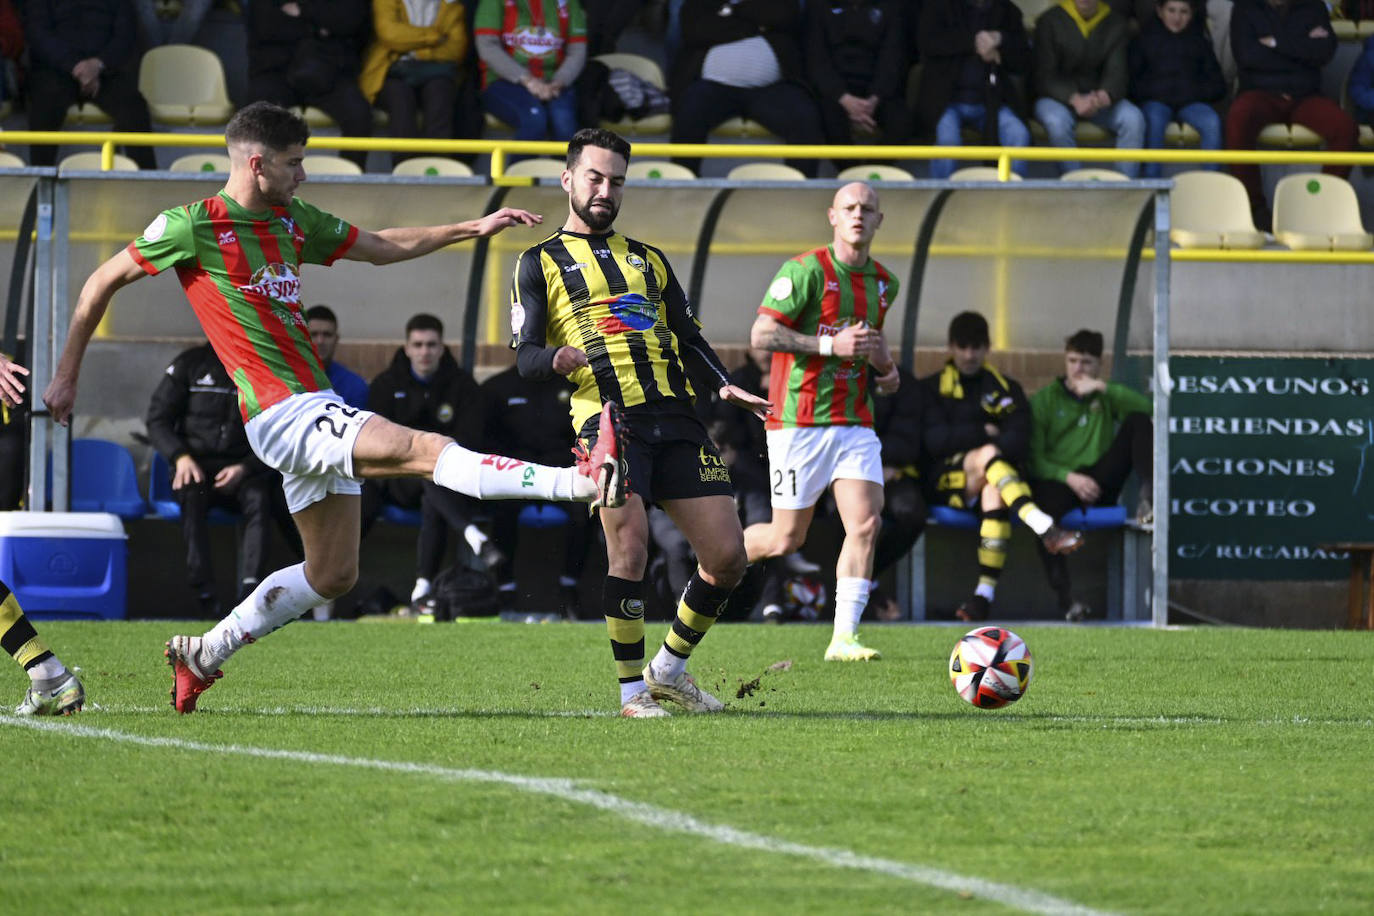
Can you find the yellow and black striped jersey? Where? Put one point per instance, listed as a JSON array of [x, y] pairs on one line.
[[618, 301]]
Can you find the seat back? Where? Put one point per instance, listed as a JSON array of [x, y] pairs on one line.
[[215, 163], [875, 172], [979, 173], [103, 479], [432, 165], [642, 67], [640, 169], [329, 165], [90, 162], [1206, 201], [1313, 203], [9, 160], [185, 84], [1092, 175], [765, 171], [538, 168]]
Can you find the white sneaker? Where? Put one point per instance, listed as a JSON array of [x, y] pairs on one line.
[[63, 700], [848, 649], [683, 691], [643, 706]]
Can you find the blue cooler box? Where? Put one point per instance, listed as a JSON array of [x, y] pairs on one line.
[[65, 565]]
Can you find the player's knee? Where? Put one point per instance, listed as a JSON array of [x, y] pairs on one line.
[[725, 568], [628, 562], [334, 582]]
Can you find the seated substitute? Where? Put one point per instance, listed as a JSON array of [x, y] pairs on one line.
[[527, 419], [323, 326], [976, 430], [1087, 435], [194, 422], [424, 388]]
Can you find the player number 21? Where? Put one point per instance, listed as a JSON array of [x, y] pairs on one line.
[[777, 481]]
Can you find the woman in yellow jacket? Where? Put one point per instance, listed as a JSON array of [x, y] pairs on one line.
[[415, 64]]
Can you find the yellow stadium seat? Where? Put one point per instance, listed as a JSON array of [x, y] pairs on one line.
[[649, 71], [1180, 134], [1345, 29], [316, 117], [185, 84], [1031, 10], [979, 173], [657, 169], [1092, 175], [85, 114], [1085, 133], [875, 172], [741, 129], [1288, 136], [90, 162], [765, 171], [1316, 212], [538, 168], [329, 165], [432, 165], [9, 160], [1211, 210], [216, 163]]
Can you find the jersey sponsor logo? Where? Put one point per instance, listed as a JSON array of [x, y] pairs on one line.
[[712, 468], [226, 238], [206, 379], [574, 267], [830, 330], [153, 231], [279, 283], [781, 289], [636, 262], [536, 42], [832, 286], [630, 312]]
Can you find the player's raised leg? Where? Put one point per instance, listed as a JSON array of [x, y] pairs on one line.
[[711, 525], [860, 504], [53, 690]]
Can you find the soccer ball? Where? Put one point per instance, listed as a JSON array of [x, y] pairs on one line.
[[990, 667]]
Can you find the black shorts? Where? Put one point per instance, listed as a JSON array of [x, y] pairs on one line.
[[670, 456], [948, 483]]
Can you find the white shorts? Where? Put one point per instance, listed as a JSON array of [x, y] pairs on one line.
[[309, 438], [804, 460]]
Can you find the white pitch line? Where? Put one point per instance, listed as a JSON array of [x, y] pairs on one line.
[[649, 815]]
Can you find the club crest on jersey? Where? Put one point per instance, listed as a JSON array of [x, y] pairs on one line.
[[277, 282], [444, 413], [630, 312], [636, 262]]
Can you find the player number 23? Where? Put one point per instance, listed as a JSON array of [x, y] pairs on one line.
[[778, 478], [327, 419]]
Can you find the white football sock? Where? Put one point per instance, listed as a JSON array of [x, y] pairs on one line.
[[495, 477], [851, 597], [1037, 520], [629, 689], [47, 670], [666, 666], [987, 591], [279, 599], [422, 588], [475, 538]]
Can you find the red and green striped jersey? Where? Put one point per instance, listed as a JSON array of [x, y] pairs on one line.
[[535, 33], [815, 293], [240, 270]]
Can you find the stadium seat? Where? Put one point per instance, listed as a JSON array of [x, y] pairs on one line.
[[11, 161], [538, 168], [185, 84], [1211, 210], [741, 129], [316, 117], [103, 479], [217, 163], [90, 162], [1031, 10], [432, 165], [1179, 134], [85, 114], [398, 515], [649, 72], [765, 171], [1288, 136], [875, 172], [1086, 133], [1345, 29], [329, 165], [1093, 518], [164, 502], [640, 169], [979, 173], [1316, 212], [1092, 175]]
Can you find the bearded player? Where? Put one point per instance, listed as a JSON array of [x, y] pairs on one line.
[[237, 255]]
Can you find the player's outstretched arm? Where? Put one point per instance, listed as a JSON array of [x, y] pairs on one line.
[[11, 386], [733, 394], [119, 271], [387, 246], [854, 342]]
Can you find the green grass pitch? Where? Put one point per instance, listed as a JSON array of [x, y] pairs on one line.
[[366, 768]]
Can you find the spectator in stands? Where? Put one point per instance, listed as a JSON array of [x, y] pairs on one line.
[[743, 58], [898, 421], [528, 420], [976, 429], [84, 52], [415, 66], [308, 54], [170, 22], [323, 325], [529, 64], [194, 422], [856, 59], [1361, 83], [606, 20], [971, 52], [1281, 47], [1081, 73], [1087, 436], [424, 388], [1175, 77], [11, 48]]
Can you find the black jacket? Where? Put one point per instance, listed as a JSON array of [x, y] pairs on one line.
[[1175, 69], [857, 47], [957, 425], [195, 411], [898, 421], [61, 33], [944, 40], [449, 403], [339, 31], [528, 419], [1292, 68], [778, 21]]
